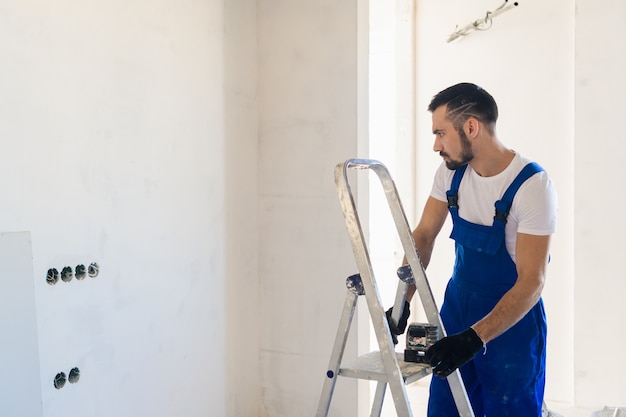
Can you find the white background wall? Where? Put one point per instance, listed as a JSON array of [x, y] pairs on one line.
[[113, 144], [241, 371], [599, 366], [188, 148], [307, 103]]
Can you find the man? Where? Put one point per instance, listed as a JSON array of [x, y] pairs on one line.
[[492, 310]]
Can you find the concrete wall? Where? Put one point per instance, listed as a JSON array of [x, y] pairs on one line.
[[308, 122], [114, 140], [242, 220]]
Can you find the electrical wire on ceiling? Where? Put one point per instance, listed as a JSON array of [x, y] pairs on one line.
[[483, 23]]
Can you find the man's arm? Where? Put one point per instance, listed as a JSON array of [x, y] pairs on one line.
[[531, 253], [531, 258], [424, 235]]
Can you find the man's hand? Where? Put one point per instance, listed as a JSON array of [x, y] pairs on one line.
[[398, 329], [451, 352]]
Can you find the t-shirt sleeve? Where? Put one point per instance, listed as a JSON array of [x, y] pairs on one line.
[[537, 206], [441, 183]]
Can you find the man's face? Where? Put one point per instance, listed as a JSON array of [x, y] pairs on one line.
[[453, 146]]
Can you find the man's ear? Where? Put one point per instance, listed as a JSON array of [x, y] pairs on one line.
[[472, 126]]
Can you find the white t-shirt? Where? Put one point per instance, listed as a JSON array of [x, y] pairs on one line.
[[534, 206]]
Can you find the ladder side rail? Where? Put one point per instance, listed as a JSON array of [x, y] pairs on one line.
[[384, 177], [460, 394], [455, 381], [379, 396], [372, 295], [337, 354], [408, 244]]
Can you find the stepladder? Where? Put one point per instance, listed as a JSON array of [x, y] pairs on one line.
[[385, 366]]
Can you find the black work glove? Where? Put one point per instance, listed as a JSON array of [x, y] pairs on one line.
[[398, 329], [451, 352]]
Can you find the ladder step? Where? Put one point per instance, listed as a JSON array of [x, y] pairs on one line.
[[370, 366]]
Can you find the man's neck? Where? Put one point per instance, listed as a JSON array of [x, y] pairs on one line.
[[492, 161]]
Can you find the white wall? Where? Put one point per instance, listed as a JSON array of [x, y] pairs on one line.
[[600, 334], [241, 188], [308, 77], [112, 124]]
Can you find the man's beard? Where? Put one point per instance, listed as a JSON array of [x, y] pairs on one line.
[[466, 153]]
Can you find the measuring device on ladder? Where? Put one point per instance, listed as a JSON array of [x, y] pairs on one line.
[[419, 338], [385, 366]]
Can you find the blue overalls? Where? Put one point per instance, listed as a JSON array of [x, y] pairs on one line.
[[508, 379]]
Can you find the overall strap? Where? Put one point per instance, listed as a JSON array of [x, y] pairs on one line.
[[453, 193], [503, 206]]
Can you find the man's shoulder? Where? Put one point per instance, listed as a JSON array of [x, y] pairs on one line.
[[521, 162]]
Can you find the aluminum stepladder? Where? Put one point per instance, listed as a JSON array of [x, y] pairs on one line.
[[384, 366]]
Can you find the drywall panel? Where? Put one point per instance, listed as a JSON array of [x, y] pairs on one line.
[[20, 390]]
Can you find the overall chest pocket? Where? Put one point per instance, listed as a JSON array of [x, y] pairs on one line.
[[483, 239]]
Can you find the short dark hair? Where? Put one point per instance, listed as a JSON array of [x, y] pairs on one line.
[[465, 100]]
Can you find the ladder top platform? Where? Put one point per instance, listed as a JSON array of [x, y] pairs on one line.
[[370, 366]]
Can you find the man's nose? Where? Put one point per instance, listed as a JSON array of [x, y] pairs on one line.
[[437, 145]]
